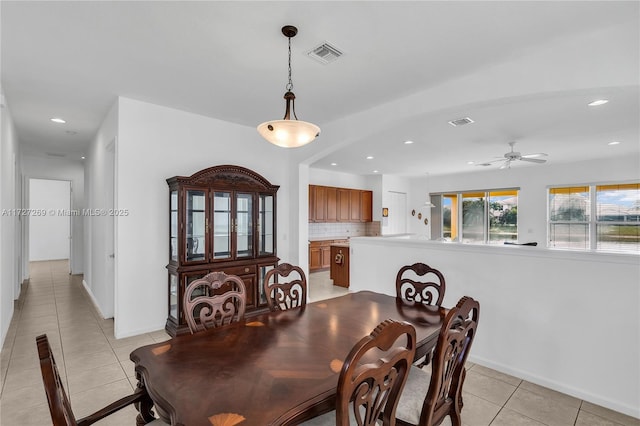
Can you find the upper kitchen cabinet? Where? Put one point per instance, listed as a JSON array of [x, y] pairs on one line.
[[366, 206], [331, 204]]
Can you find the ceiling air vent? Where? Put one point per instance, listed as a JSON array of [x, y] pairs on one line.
[[54, 154], [325, 53], [461, 121]]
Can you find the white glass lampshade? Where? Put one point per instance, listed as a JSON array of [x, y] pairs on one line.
[[288, 133]]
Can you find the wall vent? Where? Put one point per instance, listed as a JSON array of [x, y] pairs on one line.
[[461, 121], [325, 53], [54, 154]]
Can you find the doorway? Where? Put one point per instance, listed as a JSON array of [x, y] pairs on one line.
[[49, 216]]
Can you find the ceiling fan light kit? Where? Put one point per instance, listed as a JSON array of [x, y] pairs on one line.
[[289, 132]]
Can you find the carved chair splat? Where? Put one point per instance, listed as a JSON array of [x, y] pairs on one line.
[[369, 388], [285, 295], [429, 291], [214, 300]]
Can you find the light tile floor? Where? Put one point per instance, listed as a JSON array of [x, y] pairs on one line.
[[96, 369]]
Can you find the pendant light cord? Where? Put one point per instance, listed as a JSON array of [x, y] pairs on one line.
[[290, 84]]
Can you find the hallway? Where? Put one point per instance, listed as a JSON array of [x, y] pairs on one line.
[[94, 365]]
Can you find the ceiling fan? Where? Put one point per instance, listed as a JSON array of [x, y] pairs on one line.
[[512, 155]]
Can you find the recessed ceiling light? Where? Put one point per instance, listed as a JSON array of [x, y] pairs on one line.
[[598, 102], [614, 143], [334, 164], [370, 157], [58, 120], [83, 157], [471, 162], [408, 142], [375, 171]]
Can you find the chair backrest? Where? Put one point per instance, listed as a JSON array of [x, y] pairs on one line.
[[282, 295], [214, 300], [371, 388], [428, 291], [59, 405], [447, 371]]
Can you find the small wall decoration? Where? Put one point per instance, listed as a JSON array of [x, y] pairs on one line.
[[426, 221], [413, 212], [419, 215], [385, 212]]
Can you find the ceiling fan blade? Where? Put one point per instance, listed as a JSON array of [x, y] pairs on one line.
[[506, 165], [533, 160], [487, 163], [537, 154]]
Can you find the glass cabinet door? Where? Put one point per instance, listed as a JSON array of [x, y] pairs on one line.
[[262, 271], [221, 225], [265, 225], [196, 224], [173, 296], [173, 227], [243, 225]]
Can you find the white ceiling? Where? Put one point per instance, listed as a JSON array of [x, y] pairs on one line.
[[523, 71]]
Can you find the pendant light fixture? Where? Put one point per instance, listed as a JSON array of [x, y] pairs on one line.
[[289, 132]]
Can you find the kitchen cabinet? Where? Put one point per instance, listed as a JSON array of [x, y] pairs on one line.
[[354, 206], [344, 200], [340, 264], [220, 219], [320, 253], [330, 204], [366, 206]]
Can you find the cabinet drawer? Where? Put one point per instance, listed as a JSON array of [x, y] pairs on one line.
[[238, 270]]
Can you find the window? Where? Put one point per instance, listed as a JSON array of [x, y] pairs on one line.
[[596, 217], [484, 216]]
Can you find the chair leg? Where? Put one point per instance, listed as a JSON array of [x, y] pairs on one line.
[[425, 361]]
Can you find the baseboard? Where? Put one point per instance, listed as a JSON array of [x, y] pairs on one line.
[[629, 410], [93, 299]]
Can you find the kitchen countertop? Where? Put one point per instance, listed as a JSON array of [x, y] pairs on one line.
[[329, 238], [346, 245]]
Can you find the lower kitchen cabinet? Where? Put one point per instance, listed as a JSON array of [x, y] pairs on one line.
[[320, 254]]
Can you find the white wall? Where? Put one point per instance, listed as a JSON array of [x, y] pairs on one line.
[[37, 167], [9, 223], [50, 229], [568, 321], [96, 281], [153, 144]]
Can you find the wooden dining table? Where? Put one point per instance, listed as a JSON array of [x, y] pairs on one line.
[[276, 368]]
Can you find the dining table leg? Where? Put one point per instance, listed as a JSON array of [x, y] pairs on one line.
[[145, 415]]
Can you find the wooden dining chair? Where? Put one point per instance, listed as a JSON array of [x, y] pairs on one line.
[[59, 405], [428, 290], [430, 397], [368, 387], [283, 295], [214, 300]]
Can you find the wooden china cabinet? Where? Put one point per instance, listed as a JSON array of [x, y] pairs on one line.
[[221, 219]]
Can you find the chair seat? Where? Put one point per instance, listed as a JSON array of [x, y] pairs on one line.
[[412, 398], [329, 419]]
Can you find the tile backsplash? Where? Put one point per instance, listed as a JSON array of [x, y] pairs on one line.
[[341, 229]]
